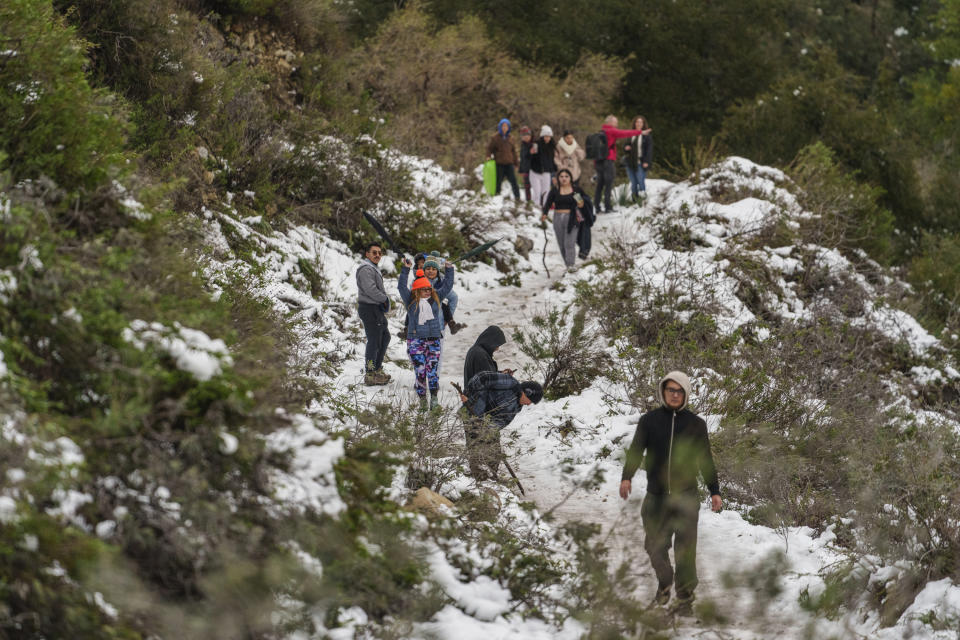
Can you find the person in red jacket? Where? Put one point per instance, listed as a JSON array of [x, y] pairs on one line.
[[606, 169]]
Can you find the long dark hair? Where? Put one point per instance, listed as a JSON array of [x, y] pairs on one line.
[[415, 298]]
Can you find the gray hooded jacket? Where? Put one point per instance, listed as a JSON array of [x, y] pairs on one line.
[[370, 285]]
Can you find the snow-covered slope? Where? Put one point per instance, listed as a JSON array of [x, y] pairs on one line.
[[558, 471]]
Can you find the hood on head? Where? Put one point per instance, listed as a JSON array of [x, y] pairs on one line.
[[491, 338], [500, 126], [681, 379]]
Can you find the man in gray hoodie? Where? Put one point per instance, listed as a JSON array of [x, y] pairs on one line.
[[373, 305], [672, 445]]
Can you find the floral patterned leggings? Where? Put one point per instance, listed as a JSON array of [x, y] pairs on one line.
[[425, 356]]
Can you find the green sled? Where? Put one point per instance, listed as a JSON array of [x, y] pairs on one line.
[[490, 177]]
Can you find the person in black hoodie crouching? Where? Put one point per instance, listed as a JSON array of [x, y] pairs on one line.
[[480, 356], [492, 400], [677, 448]]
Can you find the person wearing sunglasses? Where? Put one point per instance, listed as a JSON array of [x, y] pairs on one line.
[[373, 303], [672, 444]]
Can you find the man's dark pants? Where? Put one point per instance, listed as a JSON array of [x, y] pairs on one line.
[[665, 516], [525, 177], [483, 448], [378, 335], [605, 175], [506, 171]]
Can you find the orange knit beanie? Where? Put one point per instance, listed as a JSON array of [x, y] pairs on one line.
[[421, 282]]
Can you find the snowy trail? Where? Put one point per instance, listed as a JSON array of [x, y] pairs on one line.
[[727, 545]]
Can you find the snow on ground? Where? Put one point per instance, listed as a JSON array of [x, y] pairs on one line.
[[731, 552]]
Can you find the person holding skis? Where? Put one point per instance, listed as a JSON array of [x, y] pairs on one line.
[[480, 355], [573, 208], [372, 307], [672, 444], [424, 329], [504, 154], [492, 401]]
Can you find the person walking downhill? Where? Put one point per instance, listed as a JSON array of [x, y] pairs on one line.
[[480, 355], [504, 154], [372, 307], [606, 168], [424, 329], [637, 157], [570, 202], [526, 141], [677, 448], [492, 401], [569, 156], [542, 164]]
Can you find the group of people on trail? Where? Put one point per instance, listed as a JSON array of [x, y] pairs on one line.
[[551, 169], [670, 443]]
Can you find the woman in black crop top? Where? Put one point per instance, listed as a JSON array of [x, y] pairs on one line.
[[572, 208]]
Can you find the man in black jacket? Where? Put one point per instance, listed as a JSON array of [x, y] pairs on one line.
[[492, 400], [480, 356], [677, 449]]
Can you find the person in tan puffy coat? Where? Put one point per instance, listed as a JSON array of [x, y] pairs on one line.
[[568, 156]]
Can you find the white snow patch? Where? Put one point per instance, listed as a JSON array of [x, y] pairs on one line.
[[8, 510], [192, 350], [311, 483]]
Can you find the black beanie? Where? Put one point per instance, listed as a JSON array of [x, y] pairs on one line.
[[532, 390]]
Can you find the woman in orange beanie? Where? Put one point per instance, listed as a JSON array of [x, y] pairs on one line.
[[424, 329]]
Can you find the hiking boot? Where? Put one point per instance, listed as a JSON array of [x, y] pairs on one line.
[[582, 256], [375, 378], [434, 402], [455, 326], [683, 605], [661, 597], [422, 405]]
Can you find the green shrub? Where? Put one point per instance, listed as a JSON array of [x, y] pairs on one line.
[[52, 122], [565, 352], [821, 101], [848, 213], [461, 83], [935, 272]]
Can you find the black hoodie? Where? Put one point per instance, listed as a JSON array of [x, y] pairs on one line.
[[480, 356], [676, 445]]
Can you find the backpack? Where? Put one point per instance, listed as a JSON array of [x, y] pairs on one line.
[[482, 392], [596, 146]]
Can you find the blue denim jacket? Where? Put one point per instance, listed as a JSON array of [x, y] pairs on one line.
[[431, 328]]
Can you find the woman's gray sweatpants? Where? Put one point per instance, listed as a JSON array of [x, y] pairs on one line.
[[566, 239]]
